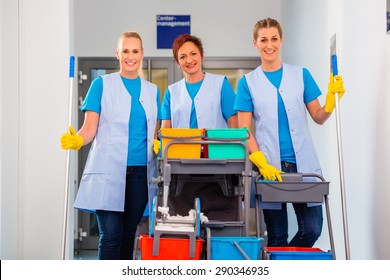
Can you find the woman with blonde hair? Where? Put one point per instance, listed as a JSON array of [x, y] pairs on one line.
[[121, 115]]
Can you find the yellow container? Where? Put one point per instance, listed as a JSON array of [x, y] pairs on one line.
[[181, 150]]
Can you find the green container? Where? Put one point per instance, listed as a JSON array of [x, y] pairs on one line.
[[227, 151]]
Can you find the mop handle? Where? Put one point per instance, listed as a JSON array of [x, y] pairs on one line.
[[71, 76], [341, 162], [71, 67], [66, 188], [335, 70]]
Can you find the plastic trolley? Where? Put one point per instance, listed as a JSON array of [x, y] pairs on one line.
[[295, 188]]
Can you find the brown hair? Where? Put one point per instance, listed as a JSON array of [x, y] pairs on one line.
[[266, 23], [181, 39]]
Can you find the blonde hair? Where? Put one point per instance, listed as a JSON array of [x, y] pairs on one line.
[[130, 34]]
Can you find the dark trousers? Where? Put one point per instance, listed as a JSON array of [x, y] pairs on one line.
[[117, 229], [309, 220]]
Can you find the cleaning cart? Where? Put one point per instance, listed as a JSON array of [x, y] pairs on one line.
[[173, 236], [295, 188], [230, 240], [197, 156]]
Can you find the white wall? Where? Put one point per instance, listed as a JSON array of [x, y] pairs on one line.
[[367, 127], [9, 91], [225, 27], [35, 46], [364, 62], [381, 196], [34, 94], [1, 106]]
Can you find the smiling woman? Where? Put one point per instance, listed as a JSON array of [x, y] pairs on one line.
[[199, 100], [276, 96], [268, 43], [121, 118]]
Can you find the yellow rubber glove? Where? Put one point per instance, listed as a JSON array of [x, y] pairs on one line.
[[268, 172], [71, 140], [333, 87], [156, 146]]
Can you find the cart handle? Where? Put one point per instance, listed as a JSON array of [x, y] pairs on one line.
[[229, 139], [293, 177], [160, 136]]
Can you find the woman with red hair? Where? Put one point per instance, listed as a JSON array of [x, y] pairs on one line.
[[199, 100]]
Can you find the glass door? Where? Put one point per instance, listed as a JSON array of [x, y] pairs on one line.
[[232, 68]]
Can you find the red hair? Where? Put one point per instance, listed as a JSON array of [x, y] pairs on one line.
[[181, 39]]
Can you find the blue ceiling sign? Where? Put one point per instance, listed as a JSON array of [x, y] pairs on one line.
[[169, 27]]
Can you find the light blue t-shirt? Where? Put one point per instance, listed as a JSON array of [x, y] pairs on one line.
[[227, 102], [244, 103], [137, 145]]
